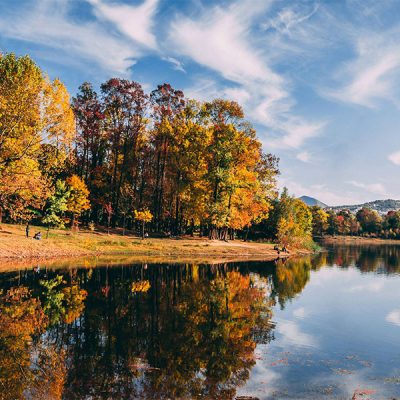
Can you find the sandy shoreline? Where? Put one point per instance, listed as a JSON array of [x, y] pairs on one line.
[[17, 251], [355, 240]]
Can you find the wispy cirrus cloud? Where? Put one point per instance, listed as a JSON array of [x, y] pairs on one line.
[[371, 73], [49, 23], [221, 39], [135, 21], [289, 18], [374, 75], [176, 64]]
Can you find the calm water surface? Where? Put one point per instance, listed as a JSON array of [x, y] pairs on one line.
[[323, 327]]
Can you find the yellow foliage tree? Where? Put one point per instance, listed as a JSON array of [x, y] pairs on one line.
[[143, 216], [34, 115], [295, 224], [78, 200]]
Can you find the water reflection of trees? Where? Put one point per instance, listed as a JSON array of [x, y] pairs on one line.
[[30, 368], [151, 332], [368, 258]]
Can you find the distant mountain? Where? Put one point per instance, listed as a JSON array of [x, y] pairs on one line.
[[382, 206], [310, 201]]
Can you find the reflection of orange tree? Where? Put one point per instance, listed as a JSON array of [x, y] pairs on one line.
[[291, 277], [207, 347], [23, 376], [180, 332], [74, 298]]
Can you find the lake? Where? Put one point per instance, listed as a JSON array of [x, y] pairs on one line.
[[319, 327]]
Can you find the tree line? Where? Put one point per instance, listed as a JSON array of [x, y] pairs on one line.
[[366, 222], [107, 157], [121, 157]]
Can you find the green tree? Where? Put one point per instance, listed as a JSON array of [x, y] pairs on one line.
[[56, 205]]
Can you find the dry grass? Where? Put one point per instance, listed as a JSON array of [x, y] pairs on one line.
[[62, 243]]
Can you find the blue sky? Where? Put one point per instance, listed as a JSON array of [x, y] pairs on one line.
[[319, 80]]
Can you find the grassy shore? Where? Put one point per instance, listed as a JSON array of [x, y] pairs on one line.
[[15, 247], [356, 240]]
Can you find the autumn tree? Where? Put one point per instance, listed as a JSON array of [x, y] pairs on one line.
[[144, 216], [78, 199], [58, 128], [319, 220], [167, 102], [125, 106], [91, 145], [36, 133], [392, 220], [237, 178], [21, 181], [370, 221], [294, 224]]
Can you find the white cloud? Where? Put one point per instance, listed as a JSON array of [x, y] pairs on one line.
[[47, 23], [374, 74], [218, 40], [288, 18], [377, 188], [136, 22], [395, 157], [176, 64], [222, 40], [290, 334], [204, 89], [394, 317], [239, 94], [304, 156], [300, 312]]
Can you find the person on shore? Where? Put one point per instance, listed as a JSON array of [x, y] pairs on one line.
[[27, 230], [38, 236]]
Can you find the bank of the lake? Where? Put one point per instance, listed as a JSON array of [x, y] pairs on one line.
[[355, 240], [15, 246]]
